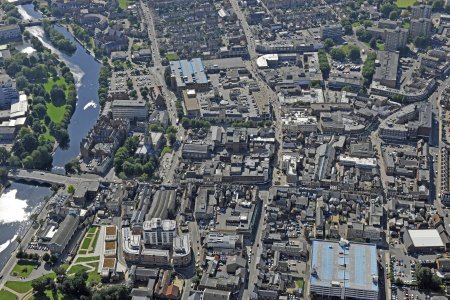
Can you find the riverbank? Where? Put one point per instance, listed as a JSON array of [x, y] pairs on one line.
[[15, 224], [86, 69], [89, 51]]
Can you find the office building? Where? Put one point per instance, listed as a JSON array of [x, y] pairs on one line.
[[159, 232], [8, 92], [129, 109], [331, 31], [344, 270], [188, 74]]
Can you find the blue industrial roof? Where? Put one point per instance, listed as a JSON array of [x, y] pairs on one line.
[[352, 266]]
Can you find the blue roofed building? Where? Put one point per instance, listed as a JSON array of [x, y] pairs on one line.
[[344, 270], [189, 74]]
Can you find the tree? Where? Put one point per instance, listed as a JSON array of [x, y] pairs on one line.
[[354, 53], [58, 96], [368, 68], [172, 137], [393, 15], [323, 63], [337, 54], [426, 279], [373, 43], [327, 44], [363, 35], [46, 257], [116, 292], [40, 285], [40, 110], [438, 5], [71, 189], [53, 258], [4, 156], [421, 42], [386, 8]]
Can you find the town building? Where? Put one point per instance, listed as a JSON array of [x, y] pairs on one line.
[[420, 27], [159, 232], [130, 109], [334, 32], [344, 270]]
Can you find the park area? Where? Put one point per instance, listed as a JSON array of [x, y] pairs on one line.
[[56, 112], [23, 268], [90, 241]]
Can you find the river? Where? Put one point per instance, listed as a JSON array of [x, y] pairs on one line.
[[17, 202], [86, 71]]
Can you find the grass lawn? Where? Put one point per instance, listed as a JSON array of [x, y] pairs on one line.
[[299, 283], [405, 3], [24, 286], [94, 242], [56, 113], [75, 268], [93, 264], [51, 295], [22, 269], [6, 295], [94, 277], [123, 4], [380, 45], [82, 252], [166, 149], [87, 259], [50, 82], [172, 56], [406, 25], [356, 24], [86, 243], [92, 229]]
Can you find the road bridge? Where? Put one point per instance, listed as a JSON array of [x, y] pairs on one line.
[[43, 177]]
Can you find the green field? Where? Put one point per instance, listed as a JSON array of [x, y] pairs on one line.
[[92, 229], [86, 243], [123, 4], [405, 3], [56, 113], [50, 82], [76, 268], [94, 277], [87, 259], [22, 269], [6, 295], [24, 286], [172, 56], [299, 283], [380, 45], [94, 242]]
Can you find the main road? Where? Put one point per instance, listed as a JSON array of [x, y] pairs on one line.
[[257, 248], [149, 19]]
